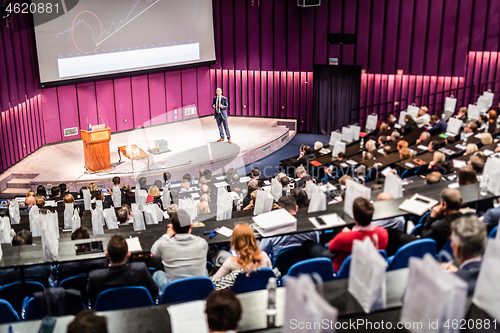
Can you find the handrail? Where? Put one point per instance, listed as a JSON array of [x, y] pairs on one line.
[[375, 109]]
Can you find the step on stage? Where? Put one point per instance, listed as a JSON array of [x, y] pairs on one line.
[[192, 144]]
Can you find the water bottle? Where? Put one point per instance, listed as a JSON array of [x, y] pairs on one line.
[[271, 302], [90, 127], [483, 186], [362, 143]]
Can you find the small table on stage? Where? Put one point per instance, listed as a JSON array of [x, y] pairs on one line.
[[135, 154]]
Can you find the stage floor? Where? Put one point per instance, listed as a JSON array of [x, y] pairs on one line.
[[192, 143]]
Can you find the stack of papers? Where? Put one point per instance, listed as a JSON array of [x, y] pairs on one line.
[[134, 245], [325, 151], [327, 221], [457, 164], [220, 177], [422, 147], [418, 204], [188, 317], [275, 222], [244, 179], [351, 162], [221, 184], [225, 231]]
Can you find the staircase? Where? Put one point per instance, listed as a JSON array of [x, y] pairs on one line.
[[16, 185]]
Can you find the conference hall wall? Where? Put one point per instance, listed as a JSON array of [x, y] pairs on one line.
[[265, 57]]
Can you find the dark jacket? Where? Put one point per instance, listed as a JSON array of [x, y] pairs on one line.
[[439, 230], [469, 273], [300, 183], [133, 274], [440, 127], [409, 127]]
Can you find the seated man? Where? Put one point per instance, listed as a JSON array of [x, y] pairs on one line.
[[423, 136], [491, 218], [120, 273], [341, 245], [438, 125], [274, 245], [88, 322], [468, 131], [410, 125], [182, 253], [223, 311], [55, 193], [468, 240], [397, 222], [184, 192], [438, 224], [302, 174], [423, 117]]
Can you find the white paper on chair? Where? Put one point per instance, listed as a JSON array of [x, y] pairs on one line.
[[367, 276], [50, 234], [153, 214], [473, 112], [141, 197], [34, 217], [275, 222], [492, 169], [117, 196], [75, 220], [482, 104], [189, 206], [138, 217], [412, 110], [393, 185], [354, 190], [355, 132], [335, 137], [276, 189], [487, 290], [166, 197], [86, 199], [5, 235], [317, 200], [110, 218], [305, 305], [224, 204], [97, 220], [435, 295], [402, 116], [347, 134], [371, 122], [14, 212], [68, 215], [489, 98], [224, 231], [339, 147], [454, 126], [263, 202], [450, 104], [188, 317]]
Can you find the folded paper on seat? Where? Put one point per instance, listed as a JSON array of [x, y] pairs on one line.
[[34, 217], [354, 190], [110, 218], [263, 202], [138, 217], [117, 197], [14, 212], [50, 236], [86, 199], [68, 215]]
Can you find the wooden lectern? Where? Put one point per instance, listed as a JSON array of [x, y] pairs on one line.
[[96, 149]]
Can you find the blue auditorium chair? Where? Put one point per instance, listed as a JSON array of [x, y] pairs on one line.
[[322, 266], [256, 280], [7, 313], [123, 298], [417, 248], [345, 268], [15, 292], [31, 310], [493, 232], [287, 257], [187, 290]]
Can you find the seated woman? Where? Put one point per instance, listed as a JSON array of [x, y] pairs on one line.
[[471, 148], [466, 176], [492, 121], [402, 144], [405, 154], [437, 158], [486, 139], [462, 114], [248, 257], [154, 196]]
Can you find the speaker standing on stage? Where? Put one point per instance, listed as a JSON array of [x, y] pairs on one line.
[[220, 105]]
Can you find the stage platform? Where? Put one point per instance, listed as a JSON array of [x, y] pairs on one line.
[[192, 145]]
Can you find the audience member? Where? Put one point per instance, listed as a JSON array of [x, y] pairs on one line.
[[370, 146], [223, 311], [482, 122], [158, 183], [23, 237], [384, 130], [40, 202], [166, 178], [253, 197], [30, 193], [88, 322], [127, 190], [423, 117], [55, 193], [410, 125], [468, 241], [300, 197], [171, 209], [154, 195], [433, 178], [273, 245], [477, 163], [40, 191], [382, 141], [492, 121], [184, 192], [116, 181], [467, 176], [438, 125], [187, 177], [302, 175], [392, 120], [30, 201], [68, 198], [120, 273], [462, 114], [395, 136], [405, 154], [123, 215], [64, 189], [486, 139], [471, 148], [174, 196], [432, 146], [402, 144], [469, 130], [423, 136], [80, 191], [397, 222], [143, 183], [437, 158], [202, 207]]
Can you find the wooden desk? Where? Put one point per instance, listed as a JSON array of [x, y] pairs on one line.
[[135, 154]]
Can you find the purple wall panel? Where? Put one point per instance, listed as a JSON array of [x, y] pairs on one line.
[[10, 147], [251, 94], [276, 88], [16, 133], [419, 36], [227, 41], [293, 36], [86, 104], [376, 36], [18, 61], [363, 33], [51, 116], [10, 64], [283, 100], [106, 103], [433, 37], [30, 133], [484, 68], [253, 36], [448, 38], [349, 26], [256, 80], [391, 37], [174, 97], [307, 40], [296, 95], [238, 88], [335, 26], [492, 28], [232, 93], [4, 154], [309, 102], [205, 92], [244, 93], [270, 94], [289, 94], [302, 103], [321, 34], [240, 34], [478, 28], [217, 35], [24, 35], [69, 110], [405, 36], [24, 129], [266, 36], [263, 94], [492, 70], [157, 98], [4, 82], [462, 37], [123, 104], [189, 96], [140, 101], [280, 29]]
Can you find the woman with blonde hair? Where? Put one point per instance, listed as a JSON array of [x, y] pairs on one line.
[[471, 148], [402, 144], [486, 139], [405, 154], [438, 157], [202, 208], [93, 187], [248, 255], [68, 198], [467, 176], [371, 146]]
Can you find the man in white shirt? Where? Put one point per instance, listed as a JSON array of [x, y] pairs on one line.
[[182, 254], [423, 117]]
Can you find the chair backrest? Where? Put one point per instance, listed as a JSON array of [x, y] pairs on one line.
[[345, 268], [123, 298], [493, 232], [446, 253], [31, 310], [187, 290], [7, 313], [14, 293], [417, 248], [287, 257], [256, 280], [78, 282], [322, 266]]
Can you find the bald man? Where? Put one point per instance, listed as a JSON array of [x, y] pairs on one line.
[[397, 222], [30, 201], [220, 105]]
